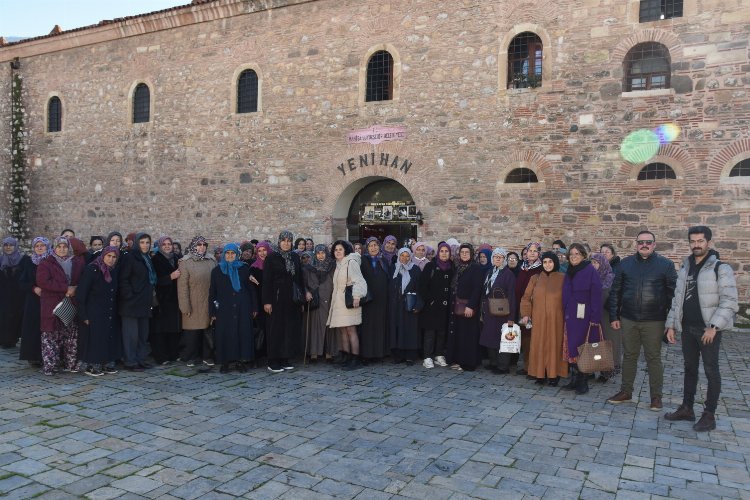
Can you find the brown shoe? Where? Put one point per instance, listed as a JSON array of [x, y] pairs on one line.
[[682, 413], [620, 397], [656, 403], [707, 422]]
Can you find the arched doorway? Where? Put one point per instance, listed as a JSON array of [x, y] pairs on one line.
[[377, 206]]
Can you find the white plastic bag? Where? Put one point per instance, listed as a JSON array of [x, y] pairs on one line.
[[510, 339]]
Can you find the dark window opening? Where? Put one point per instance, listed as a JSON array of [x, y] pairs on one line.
[[247, 92], [647, 67], [379, 77], [654, 171], [54, 115], [742, 169], [525, 61], [141, 103], [521, 176], [653, 10]]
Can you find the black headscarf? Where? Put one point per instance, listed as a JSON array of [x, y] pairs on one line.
[[553, 257]]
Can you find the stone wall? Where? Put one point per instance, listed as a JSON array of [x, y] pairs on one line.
[[197, 167]]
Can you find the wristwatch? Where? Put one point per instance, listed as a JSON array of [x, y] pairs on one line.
[[714, 327]]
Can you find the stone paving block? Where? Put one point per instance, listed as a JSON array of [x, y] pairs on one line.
[[510, 484], [55, 478], [106, 493], [12, 482], [26, 467], [32, 490], [637, 473], [136, 484], [87, 484]]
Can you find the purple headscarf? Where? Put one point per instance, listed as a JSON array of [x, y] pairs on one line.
[[388, 255], [259, 263], [443, 265], [420, 263], [36, 259], [104, 268], [606, 274], [12, 259]]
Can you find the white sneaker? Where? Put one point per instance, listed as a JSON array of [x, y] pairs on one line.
[[427, 363], [440, 361]]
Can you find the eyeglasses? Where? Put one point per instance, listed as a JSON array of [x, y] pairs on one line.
[[645, 242], [512, 258], [201, 244]]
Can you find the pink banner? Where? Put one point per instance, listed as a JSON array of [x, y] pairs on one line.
[[376, 135]]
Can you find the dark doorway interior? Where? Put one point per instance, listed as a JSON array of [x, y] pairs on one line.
[[381, 208]]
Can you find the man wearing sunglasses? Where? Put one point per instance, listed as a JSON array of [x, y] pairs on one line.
[[639, 301]]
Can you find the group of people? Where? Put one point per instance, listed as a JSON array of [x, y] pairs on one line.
[[359, 303]]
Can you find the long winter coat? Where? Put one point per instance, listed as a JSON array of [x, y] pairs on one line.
[[31, 339], [11, 305], [542, 302], [284, 324], [136, 293], [404, 324], [503, 286], [373, 338], [583, 288], [320, 337], [168, 311], [463, 333], [97, 302], [51, 278], [347, 272], [435, 290], [192, 291], [233, 334]]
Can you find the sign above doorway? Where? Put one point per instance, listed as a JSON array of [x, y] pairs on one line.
[[376, 135]]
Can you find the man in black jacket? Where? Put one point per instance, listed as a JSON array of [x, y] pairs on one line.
[[639, 301]]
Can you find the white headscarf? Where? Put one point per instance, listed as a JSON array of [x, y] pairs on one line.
[[403, 269]]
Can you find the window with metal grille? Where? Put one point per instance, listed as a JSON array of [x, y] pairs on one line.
[[247, 92], [141, 103], [653, 10], [525, 61], [379, 77], [521, 176], [647, 67], [656, 171], [54, 115], [742, 169]]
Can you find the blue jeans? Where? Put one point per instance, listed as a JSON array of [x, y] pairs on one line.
[[692, 350], [134, 340]]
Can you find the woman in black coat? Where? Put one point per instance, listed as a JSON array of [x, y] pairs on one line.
[[31, 338], [232, 306], [11, 296], [404, 305], [373, 334], [165, 325], [435, 290], [463, 330], [136, 298], [281, 271], [500, 282], [97, 311]]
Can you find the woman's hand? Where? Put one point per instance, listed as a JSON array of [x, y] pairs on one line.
[[255, 314], [85, 322], [175, 274], [268, 308], [71, 291], [510, 323], [524, 320], [469, 312], [253, 280], [308, 296], [355, 302], [38, 291]]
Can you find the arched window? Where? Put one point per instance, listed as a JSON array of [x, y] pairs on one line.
[[247, 92], [656, 171], [653, 10], [525, 61], [742, 169], [54, 115], [521, 176], [141, 104], [379, 77], [647, 67]]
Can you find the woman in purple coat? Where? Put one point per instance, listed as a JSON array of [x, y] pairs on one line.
[[499, 282], [582, 307]]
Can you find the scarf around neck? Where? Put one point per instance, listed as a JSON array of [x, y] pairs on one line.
[[36, 259], [11, 259], [403, 269], [231, 268], [104, 268]]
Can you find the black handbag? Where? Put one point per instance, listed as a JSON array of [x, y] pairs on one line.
[[349, 293], [411, 301], [298, 294]]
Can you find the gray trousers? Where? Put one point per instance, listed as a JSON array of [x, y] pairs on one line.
[[134, 340]]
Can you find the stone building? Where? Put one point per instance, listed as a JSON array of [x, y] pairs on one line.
[[498, 121]]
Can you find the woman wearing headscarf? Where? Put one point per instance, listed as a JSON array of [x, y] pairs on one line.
[[514, 263], [136, 299], [306, 258], [463, 332], [404, 306], [388, 250], [319, 281], [607, 276], [541, 304], [281, 273], [96, 244], [97, 311], [484, 258], [232, 303], [114, 239], [531, 266], [374, 337], [31, 340], [347, 272], [192, 297], [165, 325], [247, 252], [57, 276], [499, 282], [610, 253], [262, 250], [435, 290], [582, 305], [420, 254], [11, 297], [300, 245]]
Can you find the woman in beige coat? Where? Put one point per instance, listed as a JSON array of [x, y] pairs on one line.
[[339, 316], [192, 295]]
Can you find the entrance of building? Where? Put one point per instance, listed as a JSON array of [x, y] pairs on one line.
[[381, 208]]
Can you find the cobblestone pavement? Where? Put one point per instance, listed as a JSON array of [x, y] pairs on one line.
[[386, 431]]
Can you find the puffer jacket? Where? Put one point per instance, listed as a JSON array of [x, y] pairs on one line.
[[642, 289], [718, 298]]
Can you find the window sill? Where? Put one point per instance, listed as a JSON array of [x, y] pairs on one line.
[[647, 93], [741, 181]]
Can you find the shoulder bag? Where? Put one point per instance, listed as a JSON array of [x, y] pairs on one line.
[[459, 306], [349, 293], [595, 356], [498, 306]]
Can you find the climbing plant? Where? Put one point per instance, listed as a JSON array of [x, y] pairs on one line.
[[19, 188]]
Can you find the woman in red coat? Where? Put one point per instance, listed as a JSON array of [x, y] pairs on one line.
[[57, 276]]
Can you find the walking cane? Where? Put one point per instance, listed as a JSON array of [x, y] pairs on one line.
[[307, 336]]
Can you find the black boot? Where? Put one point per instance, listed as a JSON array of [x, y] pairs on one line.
[[354, 363], [571, 385], [582, 383], [343, 358]]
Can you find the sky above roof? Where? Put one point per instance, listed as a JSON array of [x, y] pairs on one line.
[[33, 18]]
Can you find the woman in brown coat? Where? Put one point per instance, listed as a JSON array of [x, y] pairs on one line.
[[192, 295], [541, 304]]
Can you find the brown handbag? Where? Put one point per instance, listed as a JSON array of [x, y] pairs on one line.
[[459, 307], [595, 356], [498, 306]]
